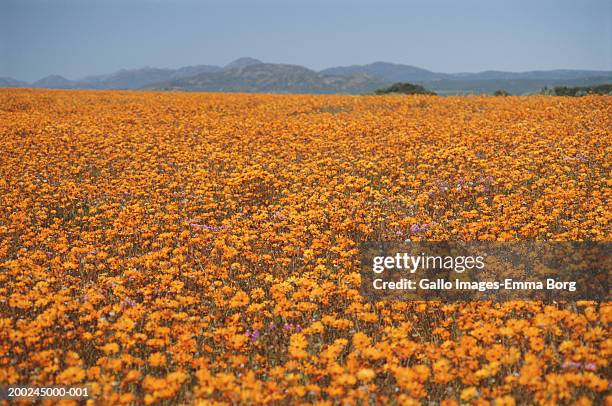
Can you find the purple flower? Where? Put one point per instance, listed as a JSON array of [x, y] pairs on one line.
[[127, 302], [582, 158], [416, 228], [253, 335], [197, 225], [443, 185], [571, 364], [278, 215]]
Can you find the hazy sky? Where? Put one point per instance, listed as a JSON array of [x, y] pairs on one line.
[[75, 38]]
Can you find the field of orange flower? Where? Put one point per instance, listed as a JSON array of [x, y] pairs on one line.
[[178, 248]]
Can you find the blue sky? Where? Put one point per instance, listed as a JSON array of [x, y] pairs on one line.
[[75, 38]]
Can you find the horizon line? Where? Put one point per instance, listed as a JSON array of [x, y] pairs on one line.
[[304, 66]]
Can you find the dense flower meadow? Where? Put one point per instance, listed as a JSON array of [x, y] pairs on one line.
[[167, 248]]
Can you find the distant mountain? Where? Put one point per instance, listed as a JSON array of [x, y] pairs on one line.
[[194, 70], [10, 82], [273, 78], [480, 82], [137, 78], [125, 79], [241, 62], [390, 72], [252, 75], [54, 82]]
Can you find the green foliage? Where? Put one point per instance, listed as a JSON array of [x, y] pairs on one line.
[[578, 91], [501, 93], [404, 88]]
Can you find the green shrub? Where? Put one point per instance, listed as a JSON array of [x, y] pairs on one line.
[[404, 88], [501, 93], [578, 91]]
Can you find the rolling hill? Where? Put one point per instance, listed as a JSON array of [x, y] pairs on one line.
[[137, 78], [390, 72], [273, 78], [10, 82], [54, 82], [252, 75]]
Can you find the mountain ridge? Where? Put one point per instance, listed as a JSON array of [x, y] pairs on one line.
[[273, 78], [54, 82], [248, 74], [241, 62], [392, 72]]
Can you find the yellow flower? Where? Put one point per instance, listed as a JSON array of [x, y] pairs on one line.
[[297, 346], [71, 375], [469, 393], [110, 348], [157, 359], [366, 374]]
